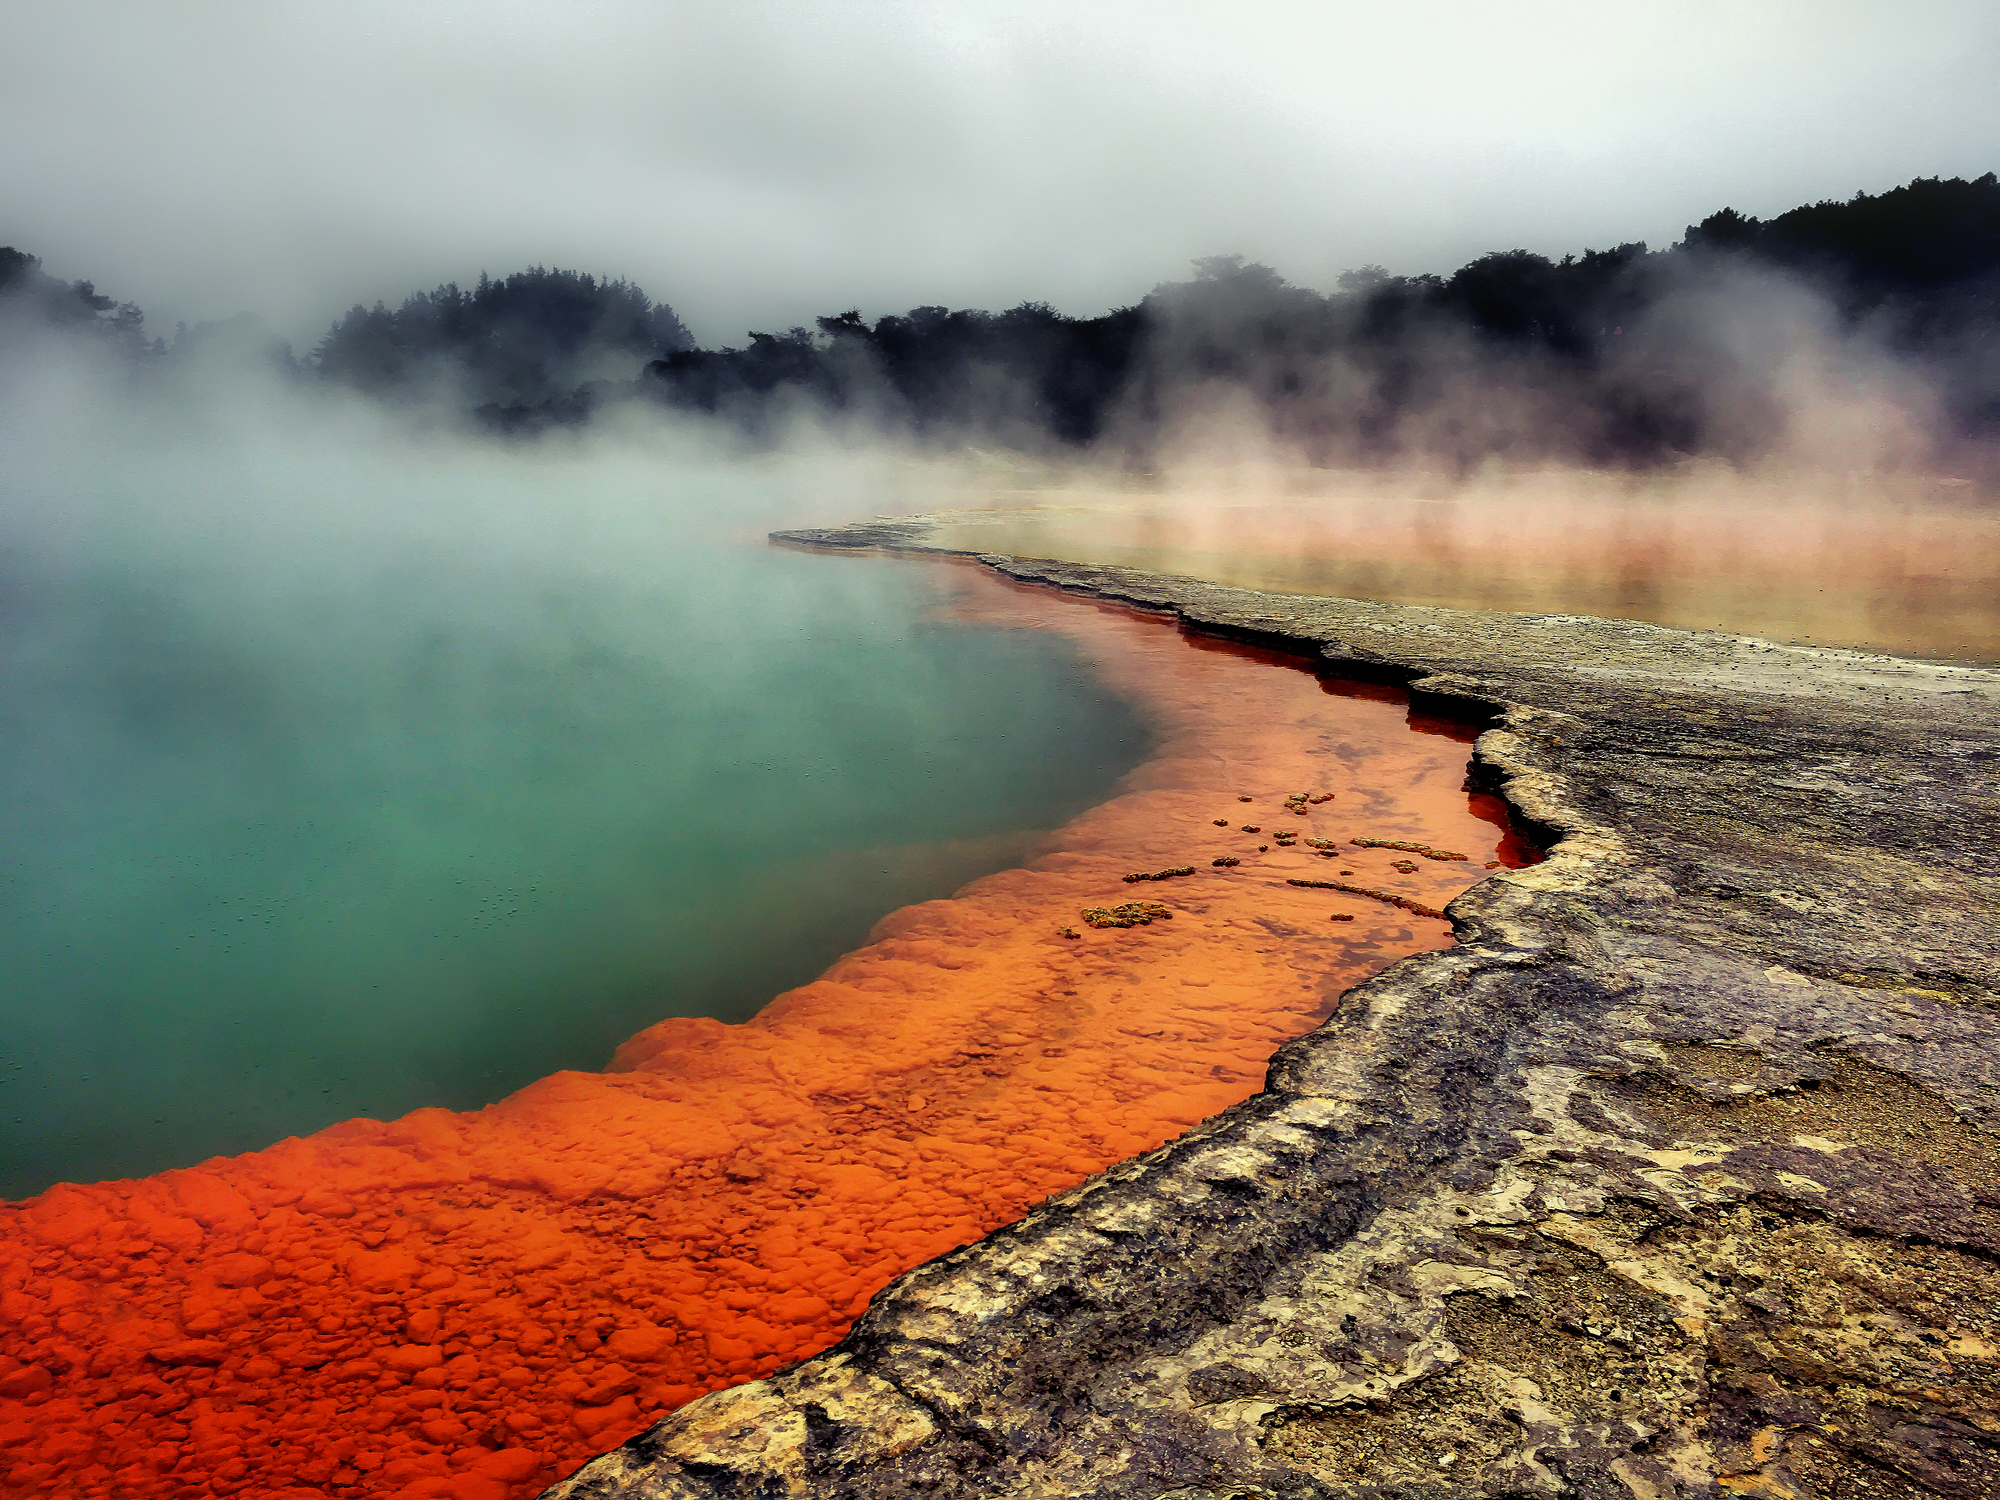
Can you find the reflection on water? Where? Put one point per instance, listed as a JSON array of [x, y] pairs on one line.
[[297, 834], [1905, 566]]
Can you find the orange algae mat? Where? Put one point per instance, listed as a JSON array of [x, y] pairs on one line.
[[470, 1305]]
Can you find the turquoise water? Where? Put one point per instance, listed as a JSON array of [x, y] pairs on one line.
[[343, 793]]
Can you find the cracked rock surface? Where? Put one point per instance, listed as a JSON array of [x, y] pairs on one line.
[[1679, 1175]]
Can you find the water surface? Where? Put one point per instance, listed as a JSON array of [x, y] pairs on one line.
[[344, 793]]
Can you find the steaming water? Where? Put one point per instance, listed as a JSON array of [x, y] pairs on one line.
[[1908, 565], [345, 790]]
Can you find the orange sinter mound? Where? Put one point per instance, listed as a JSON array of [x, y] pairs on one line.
[[471, 1304]]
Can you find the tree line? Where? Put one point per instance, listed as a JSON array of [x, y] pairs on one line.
[[532, 337], [1621, 355], [27, 291]]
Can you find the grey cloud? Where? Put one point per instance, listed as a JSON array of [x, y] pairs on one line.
[[757, 164]]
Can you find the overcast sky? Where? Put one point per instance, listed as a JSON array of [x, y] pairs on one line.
[[756, 164]]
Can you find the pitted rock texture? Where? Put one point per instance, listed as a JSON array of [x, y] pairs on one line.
[[1678, 1176]]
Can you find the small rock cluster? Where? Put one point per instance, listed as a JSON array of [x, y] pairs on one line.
[[1389, 897], [1424, 849], [1125, 914]]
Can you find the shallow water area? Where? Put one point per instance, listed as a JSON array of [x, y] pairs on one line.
[[1908, 565], [468, 1304]]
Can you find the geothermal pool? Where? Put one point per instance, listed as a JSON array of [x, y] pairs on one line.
[[295, 834], [469, 1304]]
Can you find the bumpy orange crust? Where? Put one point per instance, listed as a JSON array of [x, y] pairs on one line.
[[469, 1304]]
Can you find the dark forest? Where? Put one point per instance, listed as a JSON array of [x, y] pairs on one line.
[[1626, 355]]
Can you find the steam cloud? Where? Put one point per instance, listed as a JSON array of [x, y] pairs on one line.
[[1832, 369], [1837, 337]]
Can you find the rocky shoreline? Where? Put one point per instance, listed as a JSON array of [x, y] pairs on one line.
[[1679, 1175]]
